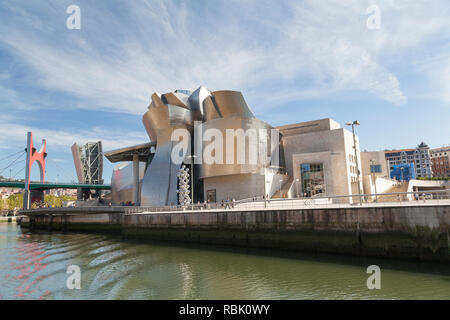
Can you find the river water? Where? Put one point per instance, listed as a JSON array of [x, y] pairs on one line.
[[34, 266]]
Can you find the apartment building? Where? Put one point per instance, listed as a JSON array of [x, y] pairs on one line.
[[419, 157], [440, 161]]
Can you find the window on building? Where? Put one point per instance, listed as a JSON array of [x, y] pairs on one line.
[[211, 195], [313, 179], [375, 168]]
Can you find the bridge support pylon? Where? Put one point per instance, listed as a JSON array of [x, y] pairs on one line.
[[33, 156]]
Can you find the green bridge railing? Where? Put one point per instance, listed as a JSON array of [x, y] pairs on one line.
[[52, 185]]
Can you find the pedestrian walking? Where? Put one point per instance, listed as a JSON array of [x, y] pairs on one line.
[[227, 204]]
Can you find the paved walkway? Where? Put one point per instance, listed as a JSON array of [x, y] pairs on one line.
[[301, 204]]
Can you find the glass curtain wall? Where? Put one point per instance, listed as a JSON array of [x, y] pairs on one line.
[[313, 181]]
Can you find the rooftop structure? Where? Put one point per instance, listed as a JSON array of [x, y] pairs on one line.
[[144, 152]]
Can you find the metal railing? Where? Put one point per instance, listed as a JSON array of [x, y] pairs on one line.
[[431, 197]]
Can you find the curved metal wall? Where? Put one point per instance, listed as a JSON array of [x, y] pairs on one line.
[[122, 182], [220, 110], [160, 181], [234, 123]]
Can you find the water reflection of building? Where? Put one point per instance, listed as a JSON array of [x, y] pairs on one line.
[[314, 158]]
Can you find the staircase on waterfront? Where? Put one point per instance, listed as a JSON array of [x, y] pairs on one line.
[[284, 189], [399, 187]]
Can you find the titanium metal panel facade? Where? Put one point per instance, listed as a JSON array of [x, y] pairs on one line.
[[220, 110], [159, 186], [250, 147], [122, 182]]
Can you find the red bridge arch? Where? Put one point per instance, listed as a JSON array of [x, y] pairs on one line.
[[33, 156]]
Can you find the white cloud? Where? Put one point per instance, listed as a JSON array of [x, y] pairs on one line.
[[14, 134], [288, 50]]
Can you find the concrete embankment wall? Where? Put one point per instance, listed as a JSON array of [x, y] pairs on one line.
[[7, 219], [87, 219], [413, 232]]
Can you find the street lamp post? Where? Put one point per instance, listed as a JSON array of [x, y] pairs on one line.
[[401, 170], [388, 169], [353, 124], [297, 180]]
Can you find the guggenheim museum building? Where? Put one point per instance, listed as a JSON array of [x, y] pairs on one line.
[[230, 154]]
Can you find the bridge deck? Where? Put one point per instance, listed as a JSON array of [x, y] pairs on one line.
[[50, 185]]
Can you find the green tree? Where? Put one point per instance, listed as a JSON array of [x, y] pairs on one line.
[[55, 201], [3, 205], [15, 201]]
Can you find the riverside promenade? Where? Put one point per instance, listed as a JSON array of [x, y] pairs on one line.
[[411, 230]]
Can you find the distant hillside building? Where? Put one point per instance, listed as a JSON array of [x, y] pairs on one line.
[[419, 157], [440, 161]]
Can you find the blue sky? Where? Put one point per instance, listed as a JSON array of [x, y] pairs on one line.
[[293, 61]]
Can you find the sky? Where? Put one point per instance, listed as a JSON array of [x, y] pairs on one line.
[[293, 61]]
